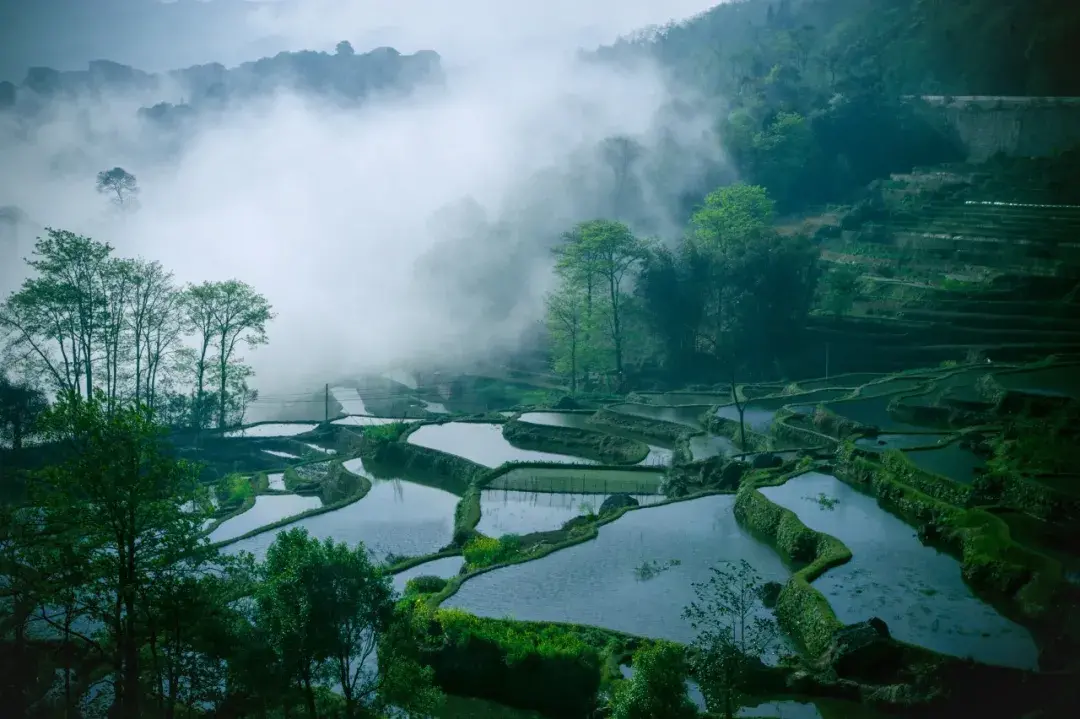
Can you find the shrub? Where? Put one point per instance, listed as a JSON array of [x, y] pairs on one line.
[[385, 432], [232, 490], [425, 584], [547, 669], [481, 551]]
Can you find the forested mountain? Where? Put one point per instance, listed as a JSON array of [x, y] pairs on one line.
[[905, 47], [343, 75], [813, 91]]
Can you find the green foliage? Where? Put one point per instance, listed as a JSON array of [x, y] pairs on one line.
[[714, 304], [425, 584], [840, 288], [224, 315], [119, 184], [233, 490], [322, 609], [115, 540], [657, 690], [732, 214], [385, 432], [600, 446], [21, 407], [588, 311], [481, 551], [512, 663], [88, 320], [734, 631]]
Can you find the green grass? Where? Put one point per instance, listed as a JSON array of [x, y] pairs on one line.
[[456, 707], [554, 479]]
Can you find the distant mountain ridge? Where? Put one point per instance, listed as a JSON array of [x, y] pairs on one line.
[[342, 74]]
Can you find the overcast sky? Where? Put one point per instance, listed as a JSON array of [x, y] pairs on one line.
[[157, 35]]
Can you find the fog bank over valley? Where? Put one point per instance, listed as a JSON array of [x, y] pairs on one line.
[[405, 216]]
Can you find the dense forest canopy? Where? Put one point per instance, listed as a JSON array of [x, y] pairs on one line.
[[906, 47]]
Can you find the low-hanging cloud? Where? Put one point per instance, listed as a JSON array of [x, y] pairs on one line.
[[339, 215]]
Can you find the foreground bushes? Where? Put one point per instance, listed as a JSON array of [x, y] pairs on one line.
[[547, 669]]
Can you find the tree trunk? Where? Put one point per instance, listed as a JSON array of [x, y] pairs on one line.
[[131, 645], [221, 391], [616, 330], [573, 363], [741, 408], [309, 695]]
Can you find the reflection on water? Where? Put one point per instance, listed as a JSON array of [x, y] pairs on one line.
[[917, 590], [507, 511], [952, 461], [482, 443], [595, 582], [446, 568], [349, 399], [758, 419], [1050, 381], [268, 508], [689, 415], [271, 430], [898, 441], [872, 411], [703, 446], [396, 517]]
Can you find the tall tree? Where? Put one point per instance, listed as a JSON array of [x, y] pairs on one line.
[[119, 184], [199, 303], [155, 323], [566, 318], [604, 251], [55, 320], [117, 280], [240, 315], [124, 501]]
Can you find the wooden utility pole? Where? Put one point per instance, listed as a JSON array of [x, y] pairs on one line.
[[326, 403]]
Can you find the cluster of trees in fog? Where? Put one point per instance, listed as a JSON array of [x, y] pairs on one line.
[[87, 320], [342, 74], [731, 296]]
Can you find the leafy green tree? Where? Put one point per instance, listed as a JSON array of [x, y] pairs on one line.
[[783, 153], [734, 633], [54, 322], [119, 184], [566, 323], [222, 315], [21, 405], [240, 315], [323, 608], [657, 690], [736, 213], [155, 323], [841, 287], [122, 502], [598, 255]]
